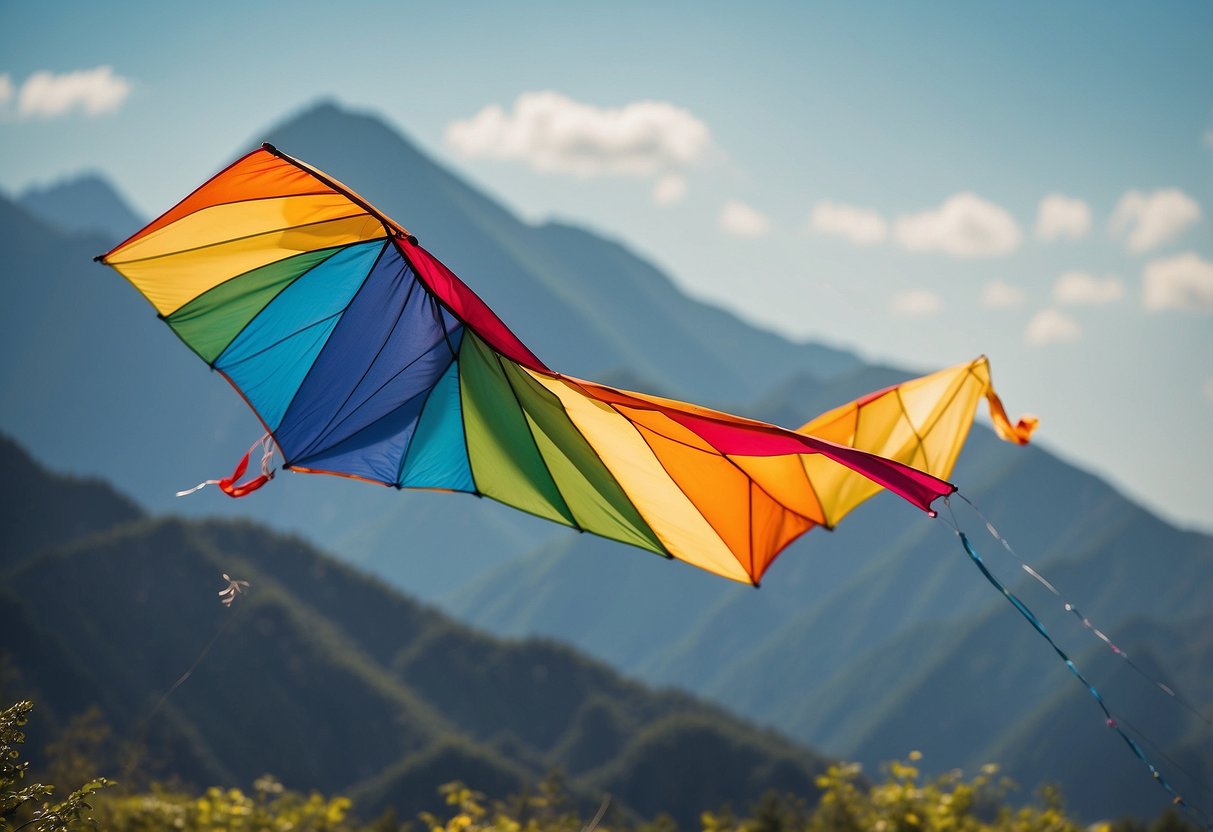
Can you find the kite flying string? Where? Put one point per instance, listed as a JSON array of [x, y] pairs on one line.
[[1198, 814], [1073, 610], [145, 721]]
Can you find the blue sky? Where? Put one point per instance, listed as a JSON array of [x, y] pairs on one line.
[[885, 165]]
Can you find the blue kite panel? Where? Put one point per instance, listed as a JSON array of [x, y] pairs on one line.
[[374, 452], [391, 346], [270, 358], [438, 455]]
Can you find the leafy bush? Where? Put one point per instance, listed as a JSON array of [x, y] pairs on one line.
[[29, 807], [904, 801]]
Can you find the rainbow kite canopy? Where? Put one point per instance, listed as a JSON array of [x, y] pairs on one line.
[[365, 357]]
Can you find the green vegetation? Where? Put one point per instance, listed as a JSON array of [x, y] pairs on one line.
[[31, 806], [844, 802]]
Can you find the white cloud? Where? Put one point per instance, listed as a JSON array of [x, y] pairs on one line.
[[861, 226], [1062, 216], [964, 226], [998, 294], [6, 91], [740, 220], [1050, 326], [553, 133], [915, 303], [1149, 220], [1181, 282], [669, 189], [93, 91], [1085, 289]]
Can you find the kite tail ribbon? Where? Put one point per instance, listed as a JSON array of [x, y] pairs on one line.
[[1018, 433], [1039, 627], [230, 486]]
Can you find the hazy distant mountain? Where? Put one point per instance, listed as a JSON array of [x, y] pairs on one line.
[[330, 680], [68, 507], [85, 204]]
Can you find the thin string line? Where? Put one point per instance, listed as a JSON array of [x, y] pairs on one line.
[[1110, 720], [145, 722], [1086, 622]]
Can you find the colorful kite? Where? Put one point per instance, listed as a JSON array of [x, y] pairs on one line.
[[363, 356]]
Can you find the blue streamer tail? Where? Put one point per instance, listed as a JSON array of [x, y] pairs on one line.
[[1039, 627]]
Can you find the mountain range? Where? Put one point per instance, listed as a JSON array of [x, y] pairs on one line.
[[866, 643], [326, 677]]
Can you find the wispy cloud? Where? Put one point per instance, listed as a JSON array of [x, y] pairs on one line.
[[93, 92], [1062, 216], [861, 226], [1181, 282], [915, 303], [1208, 138], [1051, 326], [998, 294], [6, 91], [740, 220], [965, 225], [670, 188], [1149, 220], [1085, 289], [551, 132]]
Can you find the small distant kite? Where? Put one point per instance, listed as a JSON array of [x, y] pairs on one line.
[[228, 594]]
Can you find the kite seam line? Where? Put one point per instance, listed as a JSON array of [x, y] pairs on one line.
[[302, 382], [102, 258], [652, 535], [311, 454], [640, 430], [231, 202], [168, 319], [404, 458], [277, 343], [332, 427], [436, 309], [652, 408], [239, 239], [531, 433], [329, 425]]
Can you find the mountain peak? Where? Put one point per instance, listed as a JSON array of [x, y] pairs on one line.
[[83, 203], [327, 123]]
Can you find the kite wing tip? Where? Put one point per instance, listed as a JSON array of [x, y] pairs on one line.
[[269, 147]]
